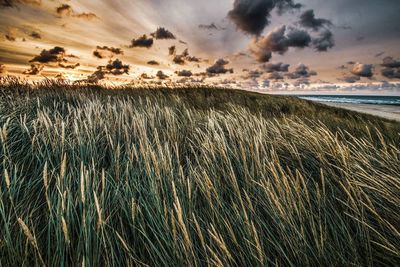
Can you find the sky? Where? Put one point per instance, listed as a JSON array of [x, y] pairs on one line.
[[272, 46]]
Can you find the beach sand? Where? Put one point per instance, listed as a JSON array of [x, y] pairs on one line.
[[391, 112]]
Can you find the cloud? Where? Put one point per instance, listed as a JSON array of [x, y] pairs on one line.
[[253, 75], [193, 59], [274, 76], [106, 51], [153, 62], [180, 59], [391, 73], [162, 33], [64, 9], [3, 70], [142, 41], [96, 76], [146, 76], [11, 34], [87, 16], [351, 79], [252, 16], [324, 41], [184, 73], [73, 66], [389, 62], [302, 71], [302, 81], [53, 55], [379, 54], [219, 67], [298, 38], [67, 10], [308, 20], [239, 54], [280, 67], [392, 68], [211, 26], [114, 67], [35, 35], [13, 3], [362, 70], [276, 41], [160, 75], [35, 69], [171, 50]]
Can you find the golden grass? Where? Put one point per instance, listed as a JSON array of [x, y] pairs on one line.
[[152, 177]]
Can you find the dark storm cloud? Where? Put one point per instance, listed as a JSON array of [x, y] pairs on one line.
[[389, 62], [184, 73], [308, 20], [219, 67], [302, 71], [171, 50], [162, 33], [142, 41], [53, 55], [153, 62], [276, 41], [36, 35], [324, 41], [298, 38], [107, 51], [362, 70], [280, 67], [252, 16], [160, 75], [35, 69]]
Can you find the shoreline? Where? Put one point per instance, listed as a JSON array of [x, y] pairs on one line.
[[391, 112]]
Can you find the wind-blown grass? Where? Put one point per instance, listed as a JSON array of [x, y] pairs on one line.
[[193, 176]]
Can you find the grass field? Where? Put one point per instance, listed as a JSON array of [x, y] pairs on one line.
[[193, 176]]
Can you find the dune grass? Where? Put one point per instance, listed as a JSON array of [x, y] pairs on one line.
[[193, 177]]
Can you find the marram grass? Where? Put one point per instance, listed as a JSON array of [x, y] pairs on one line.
[[141, 177]]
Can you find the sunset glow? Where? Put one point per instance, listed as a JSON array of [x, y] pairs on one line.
[[311, 46]]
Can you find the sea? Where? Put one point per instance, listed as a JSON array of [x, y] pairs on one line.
[[358, 99]]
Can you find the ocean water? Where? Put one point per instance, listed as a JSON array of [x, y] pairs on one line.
[[359, 99]]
